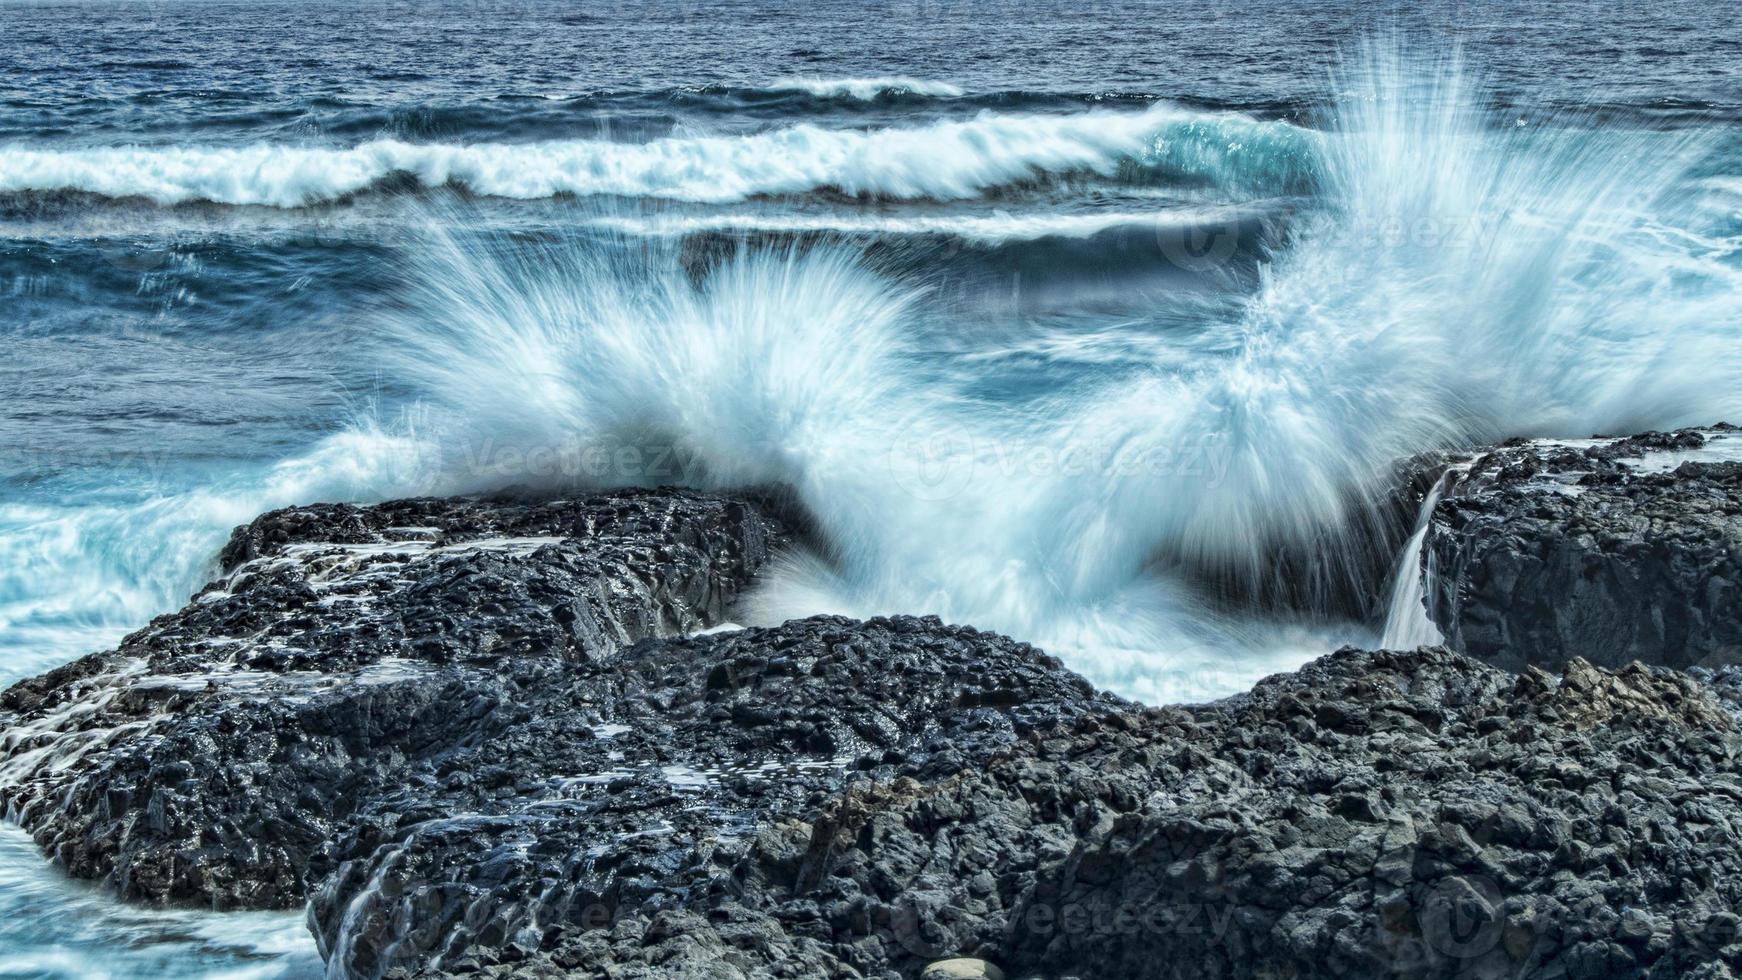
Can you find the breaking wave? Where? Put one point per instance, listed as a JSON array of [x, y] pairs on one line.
[[1457, 278], [1542, 289], [867, 89], [978, 228], [949, 160], [78, 573]]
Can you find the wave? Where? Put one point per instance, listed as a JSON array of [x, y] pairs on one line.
[[950, 160], [56, 928], [1461, 282], [1457, 281], [866, 89], [989, 229], [79, 573]]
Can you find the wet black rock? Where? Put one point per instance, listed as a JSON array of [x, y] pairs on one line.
[[1416, 815], [1340, 569], [691, 808], [1614, 550], [208, 757], [473, 737], [1374, 814]]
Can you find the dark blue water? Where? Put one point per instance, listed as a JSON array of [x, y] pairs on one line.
[[1036, 303]]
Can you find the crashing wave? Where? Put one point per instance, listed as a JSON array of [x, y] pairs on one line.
[[1459, 279], [978, 228], [1457, 282]]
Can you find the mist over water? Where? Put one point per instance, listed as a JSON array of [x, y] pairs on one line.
[[1546, 282], [1074, 358]]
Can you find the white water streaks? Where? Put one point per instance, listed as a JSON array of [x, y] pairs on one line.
[[1407, 624], [52, 927], [78, 574], [946, 160], [992, 229], [1553, 293], [1552, 302]]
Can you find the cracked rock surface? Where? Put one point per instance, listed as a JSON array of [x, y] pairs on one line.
[[1374, 814], [1613, 550]]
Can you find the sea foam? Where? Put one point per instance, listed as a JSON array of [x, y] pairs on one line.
[[867, 89], [947, 160], [1456, 279]]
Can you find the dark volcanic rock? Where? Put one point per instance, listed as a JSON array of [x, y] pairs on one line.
[[1373, 815], [469, 734], [1613, 550], [692, 810], [1418, 815], [1343, 568], [208, 757]]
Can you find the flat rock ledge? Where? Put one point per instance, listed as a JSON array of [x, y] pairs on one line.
[[1613, 550], [511, 739]]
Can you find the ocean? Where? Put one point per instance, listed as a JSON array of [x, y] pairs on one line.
[[1048, 314]]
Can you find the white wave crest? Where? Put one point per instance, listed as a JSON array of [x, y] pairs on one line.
[[78, 574], [980, 228], [867, 89], [949, 160]]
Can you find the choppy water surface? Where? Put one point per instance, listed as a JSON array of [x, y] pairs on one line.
[[1047, 313]]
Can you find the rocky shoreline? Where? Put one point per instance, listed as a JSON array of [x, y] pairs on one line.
[[1614, 550], [511, 738]]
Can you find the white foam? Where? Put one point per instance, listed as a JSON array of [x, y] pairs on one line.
[[53, 927], [1545, 299], [78, 575], [1552, 297], [985, 228], [866, 89], [1407, 624], [718, 628], [947, 160], [1722, 447]]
